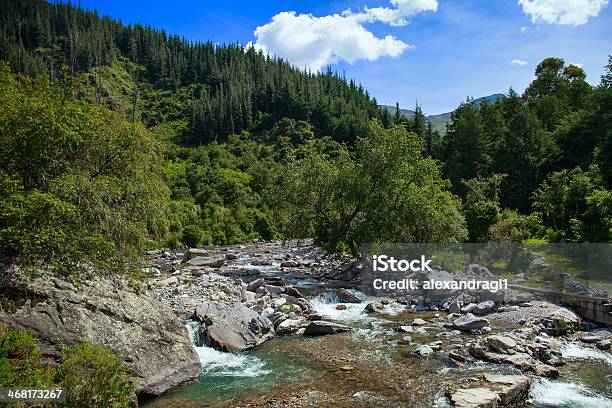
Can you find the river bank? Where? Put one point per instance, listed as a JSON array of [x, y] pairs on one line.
[[391, 355]]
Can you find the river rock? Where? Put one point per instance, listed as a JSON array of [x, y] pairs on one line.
[[603, 345], [470, 322], [468, 308], [590, 338], [424, 350], [511, 389], [321, 327], [475, 398], [173, 280], [345, 296], [501, 344], [418, 322], [207, 261], [253, 286], [453, 307], [560, 322], [484, 308], [138, 328], [288, 326], [231, 326], [291, 291]]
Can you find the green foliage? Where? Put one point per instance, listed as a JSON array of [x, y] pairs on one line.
[[92, 376], [514, 227], [78, 183], [384, 192], [481, 205], [576, 205], [19, 360]]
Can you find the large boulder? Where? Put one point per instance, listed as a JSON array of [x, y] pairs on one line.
[[470, 322], [211, 262], [484, 308], [231, 326], [320, 327], [137, 327], [560, 322]]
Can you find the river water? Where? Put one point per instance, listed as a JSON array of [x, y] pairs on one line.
[[381, 371]]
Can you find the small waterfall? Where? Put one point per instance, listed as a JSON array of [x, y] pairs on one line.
[[217, 363]]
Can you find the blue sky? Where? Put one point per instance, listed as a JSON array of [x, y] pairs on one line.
[[400, 50]]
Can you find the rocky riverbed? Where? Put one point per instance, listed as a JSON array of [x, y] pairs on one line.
[[279, 324]]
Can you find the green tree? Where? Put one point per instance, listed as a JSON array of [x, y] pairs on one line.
[[384, 192]]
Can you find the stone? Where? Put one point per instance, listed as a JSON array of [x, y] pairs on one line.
[[347, 368], [210, 262], [273, 290], [475, 398], [110, 312], [279, 302], [253, 286], [468, 308], [511, 389], [289, 264], [545, 370], [501, 344], [590, 338], [231, 326], [198, 272], [322, 327], [603, 345], [470, 322], [424, 350], [287, 326], [560, 322], [173, 280], [291, 291], [406, 339], [345, 296], [454, 355], [418, 322], [341, 307], [453, 307], [484, 308]]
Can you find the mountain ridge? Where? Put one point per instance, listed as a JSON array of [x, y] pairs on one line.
[[440, 120]]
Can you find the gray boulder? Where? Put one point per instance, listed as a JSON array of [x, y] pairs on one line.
[[470, 322], [321, 327], [484, 308], [207, 261], [232, 326], [138, 328]]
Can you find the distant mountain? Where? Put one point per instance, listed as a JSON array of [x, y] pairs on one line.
[[440, 120]]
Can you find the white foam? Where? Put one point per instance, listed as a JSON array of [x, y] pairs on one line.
[[217, 363], [546, 393], [575, 351]]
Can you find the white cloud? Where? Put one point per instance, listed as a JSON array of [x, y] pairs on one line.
[[571, 12], [313, 42], [398, 16], [523, 29], [517, 61]]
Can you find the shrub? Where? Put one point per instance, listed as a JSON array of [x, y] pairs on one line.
[[92, 376], [19, 360]]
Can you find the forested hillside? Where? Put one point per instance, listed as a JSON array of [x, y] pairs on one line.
[[117, 137]]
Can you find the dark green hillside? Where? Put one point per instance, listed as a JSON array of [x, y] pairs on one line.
[[220, 89]]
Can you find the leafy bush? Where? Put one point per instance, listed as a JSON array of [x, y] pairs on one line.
[[19, 360], [92, 376]]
